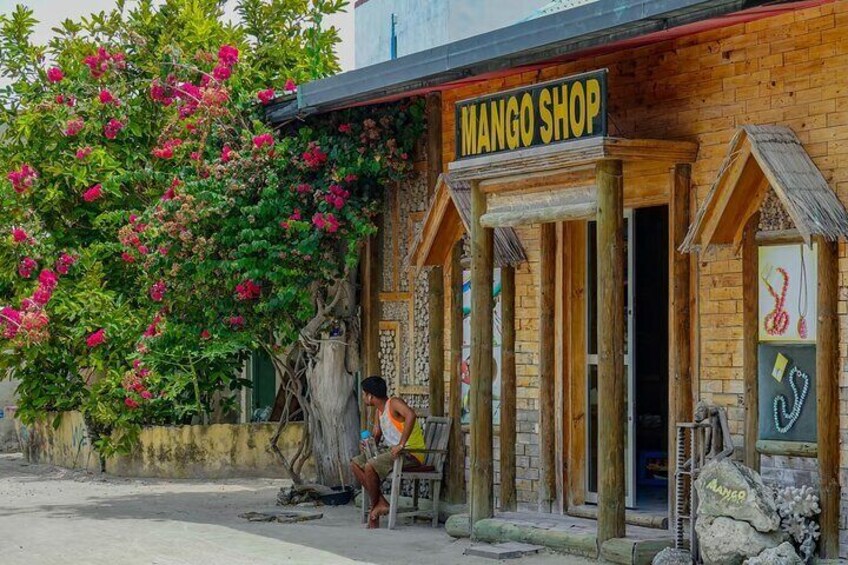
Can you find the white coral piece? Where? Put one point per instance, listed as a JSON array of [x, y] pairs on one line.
[[802, 501]]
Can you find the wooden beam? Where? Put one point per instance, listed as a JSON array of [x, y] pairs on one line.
[[576, 425], [433, 110], [508, 390], [787, 448], [436, 342], [827, 395], [611, 382], [482, 464], [680, 340], [750, 339], [456, 446], [563, 357], [547, 368]]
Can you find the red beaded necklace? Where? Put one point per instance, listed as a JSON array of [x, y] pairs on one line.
[[777, 320]]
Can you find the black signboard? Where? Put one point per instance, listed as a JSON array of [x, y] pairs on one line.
[[787, 389], [552, 112]]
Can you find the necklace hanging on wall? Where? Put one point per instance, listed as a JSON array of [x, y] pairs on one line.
[[791, 416], [802, 298], [777, 321]]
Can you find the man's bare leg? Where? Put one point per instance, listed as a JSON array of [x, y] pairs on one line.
[[379, 504]]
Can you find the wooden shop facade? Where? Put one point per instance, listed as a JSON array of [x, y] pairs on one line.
[[603, 234]]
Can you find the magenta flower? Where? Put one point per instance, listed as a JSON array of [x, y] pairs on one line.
[[345, 128], [55, 74], [127, 258], [26, 267], [228, 55], [113, 128], [290, 86], [146, 394], [205, 334], [83, 152], [221, 73], [236, 322], [106, 97], [93, 193], [248, 290], [64, 263], [130, 403], [19, 235], [22, 179], [48, 279], [95, 339], [262, 140], [226, 154], [73, 127], [265, 96], [157, 291]]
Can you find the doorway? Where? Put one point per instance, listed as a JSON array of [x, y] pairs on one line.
[[645, 358]]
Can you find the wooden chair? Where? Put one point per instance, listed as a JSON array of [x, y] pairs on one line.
[[436, 436]]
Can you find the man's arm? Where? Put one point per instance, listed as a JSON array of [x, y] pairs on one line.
[[402, 411], [377, 432]]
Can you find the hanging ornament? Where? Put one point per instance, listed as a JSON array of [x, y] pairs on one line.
[[777, 321], [780, 412], [802, 298]]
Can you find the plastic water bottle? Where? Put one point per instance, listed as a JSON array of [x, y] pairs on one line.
[[368, 444]]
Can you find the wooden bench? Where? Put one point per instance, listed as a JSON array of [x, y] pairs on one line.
[[436, 435]]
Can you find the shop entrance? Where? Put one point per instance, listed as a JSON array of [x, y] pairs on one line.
[[645, 359]]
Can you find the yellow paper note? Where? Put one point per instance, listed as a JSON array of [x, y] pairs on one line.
[[779, 367]]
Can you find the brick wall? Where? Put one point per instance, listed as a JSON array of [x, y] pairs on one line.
[[789, 70]]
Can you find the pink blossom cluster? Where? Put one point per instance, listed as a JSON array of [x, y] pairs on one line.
[[47, 282], [226, 154], [171, 192], [112, 128], [64, 263], [69, 101], [73, 127], [266, 96], [96, 339], [106, 97], [290, 86], [191, 96], [23, 178], [326, 222], [303, 188], [227, 58], [30, 321], [337, 196], [133, 382], [103, 61], [236, 322], [19, 235], [163, 93], [248, 290], [93, 193], [55, 74], [294, 217], [262, 140], [314, 157], [153, 328], [166, 150], [83, 152], [345, 128], [10, 322], [26, 267], [157, 291]]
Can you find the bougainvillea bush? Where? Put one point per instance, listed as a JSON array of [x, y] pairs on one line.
[[153, 229]]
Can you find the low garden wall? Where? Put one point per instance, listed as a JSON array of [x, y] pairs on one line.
[[214, 451]]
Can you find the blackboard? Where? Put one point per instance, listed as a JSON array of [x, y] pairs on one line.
[[802, 357]]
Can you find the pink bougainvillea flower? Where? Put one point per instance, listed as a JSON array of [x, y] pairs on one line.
[[205, 334], [228, 55], [236, 322], [42, 295], [113, 128], [262, 140], [351, 178], [157, 291], [48, 278], [248, 290], [101, 62], [130, 403], [73, 127], [106, 97], [26, 267], [265, 96], [345, 128], [55, 74], [318, 220], [290, 86], [304, 188], [332, 224], [166, 150], [133, 218], [83, 152], [95, 339], [10, 322], [93, 193], [23, 179], [64, 263], [143, 249], [195, 156], [168, 194], [222, 73], [146, 394], [127, 257], [226, 154], [19, 235], [314, 157]]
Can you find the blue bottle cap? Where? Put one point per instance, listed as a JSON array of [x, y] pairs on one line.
[[365, 434]]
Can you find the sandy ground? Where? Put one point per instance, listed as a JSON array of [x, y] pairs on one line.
[[55, 516]]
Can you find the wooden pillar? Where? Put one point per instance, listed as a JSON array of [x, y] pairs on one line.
[[679, 348], [482, 466], [547, 379], [508, 389], [436, 342], [372, 279], [456, 447], [827, 396], [611, 382], [433, 110], [750, 339]]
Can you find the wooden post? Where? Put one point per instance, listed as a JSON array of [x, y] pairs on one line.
[[433, 110], [547, 305], [508, 389], [436, 308], [679, 349], [456, 446], [482, 466], [611, 381], [827, 396], [750, 339]]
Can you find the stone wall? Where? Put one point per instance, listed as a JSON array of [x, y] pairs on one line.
[[216, 451]]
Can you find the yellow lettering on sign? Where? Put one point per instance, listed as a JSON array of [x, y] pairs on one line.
[[512, 122], [561, 113], [527, 121], [483, 135], [727, 494], [577, 114], [593, 103], [496, 111], [469, 130], [546, 131]]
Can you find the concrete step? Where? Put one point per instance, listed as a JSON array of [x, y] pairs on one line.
[[509, 550]]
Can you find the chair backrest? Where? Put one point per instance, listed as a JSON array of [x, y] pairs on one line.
[[436, 436]]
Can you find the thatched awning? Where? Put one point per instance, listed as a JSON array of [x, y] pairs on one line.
[[760, 157], [448, 218]]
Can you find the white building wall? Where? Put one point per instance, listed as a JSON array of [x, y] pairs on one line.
[[422, 24], [8, 437]]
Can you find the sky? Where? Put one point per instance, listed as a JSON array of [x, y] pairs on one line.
[[51, 12]]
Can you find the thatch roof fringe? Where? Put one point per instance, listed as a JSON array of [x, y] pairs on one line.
[[798, 183]]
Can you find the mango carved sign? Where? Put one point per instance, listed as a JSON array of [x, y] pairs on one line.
[[727, 494]]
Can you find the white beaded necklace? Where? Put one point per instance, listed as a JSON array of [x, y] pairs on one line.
[[792, 416]]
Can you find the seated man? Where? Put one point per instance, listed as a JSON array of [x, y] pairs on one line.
[[396, 424]]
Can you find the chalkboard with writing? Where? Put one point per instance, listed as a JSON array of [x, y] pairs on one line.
[[787, 390]]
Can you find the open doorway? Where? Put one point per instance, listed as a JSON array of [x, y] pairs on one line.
[[645, 359]]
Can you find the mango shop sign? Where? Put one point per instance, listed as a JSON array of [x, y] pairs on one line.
[[562, 110]]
